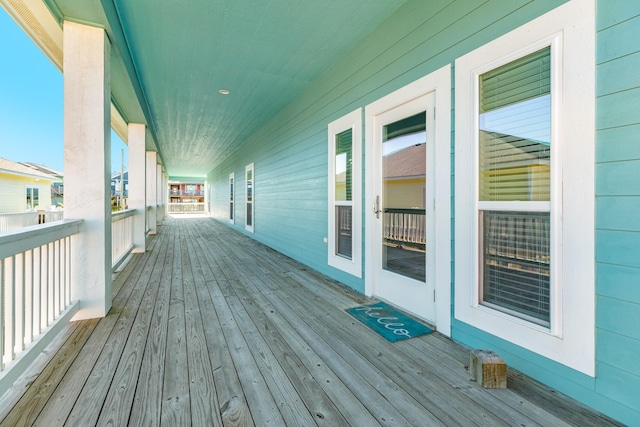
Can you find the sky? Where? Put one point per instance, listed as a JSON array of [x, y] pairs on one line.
[[31, 105]]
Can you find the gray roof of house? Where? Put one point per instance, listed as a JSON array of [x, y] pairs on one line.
[[7, 166]]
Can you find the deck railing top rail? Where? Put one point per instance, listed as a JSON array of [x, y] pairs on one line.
[[13, 242], [120, 215]]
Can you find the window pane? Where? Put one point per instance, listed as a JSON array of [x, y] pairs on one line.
[[515, 130], [404, 166], [36, 199], [344, 246], [249, 214], [249, 191], [343, 165], [516, 265], [231, 199]]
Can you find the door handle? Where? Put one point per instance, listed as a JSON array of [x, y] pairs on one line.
[[376, 207]]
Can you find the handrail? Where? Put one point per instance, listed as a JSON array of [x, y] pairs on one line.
[[13, 242], [120, 215], [16, 220]]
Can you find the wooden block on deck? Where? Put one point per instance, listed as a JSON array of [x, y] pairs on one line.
[[488, 369]]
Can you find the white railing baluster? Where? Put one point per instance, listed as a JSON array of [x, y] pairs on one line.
[[28, 298], [9, 332], [37, 292], [56, 254], [18, 303]]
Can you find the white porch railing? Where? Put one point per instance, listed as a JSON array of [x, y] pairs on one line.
[[174, 208], [35, 293], [13, 221], [121, 236], [405, 226]]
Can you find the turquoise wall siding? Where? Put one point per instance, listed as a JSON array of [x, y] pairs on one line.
[[290, 156], [618, 205]]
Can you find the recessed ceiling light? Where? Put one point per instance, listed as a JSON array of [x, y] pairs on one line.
[[224, 92]]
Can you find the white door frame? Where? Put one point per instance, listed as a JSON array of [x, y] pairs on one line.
[[440, 82]]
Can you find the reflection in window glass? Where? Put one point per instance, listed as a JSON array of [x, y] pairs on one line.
[[343, 193], [403, 195], [515, 130], [250, 196], [344, 232], [231, 177], [515, 166], [32, 197], [343, 166]]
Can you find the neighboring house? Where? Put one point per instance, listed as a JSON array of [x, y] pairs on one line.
[[23, 188], [57, 187], [186, 192], [404, 177], [116, 188]]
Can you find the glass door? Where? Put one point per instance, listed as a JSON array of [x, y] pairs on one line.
[[404, 201]]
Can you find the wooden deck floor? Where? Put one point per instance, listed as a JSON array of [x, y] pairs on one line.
[[210, 328]]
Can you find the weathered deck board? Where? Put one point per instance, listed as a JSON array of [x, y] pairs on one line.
[[147, 402], [202, 385], [27, 409], [209, 327], [176, 405]]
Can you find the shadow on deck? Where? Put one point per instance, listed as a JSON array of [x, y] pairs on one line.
[[209, 327]]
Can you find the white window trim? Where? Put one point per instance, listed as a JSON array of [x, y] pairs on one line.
[[248, 168], [351, 121], [232, 177], [440, 82], [571, 338]]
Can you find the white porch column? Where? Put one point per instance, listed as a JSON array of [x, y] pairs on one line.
[[137, 184], [87, 165], [152, 184], [159, 197]]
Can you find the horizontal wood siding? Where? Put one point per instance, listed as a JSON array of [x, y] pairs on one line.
[[618, 207], [13, 197]]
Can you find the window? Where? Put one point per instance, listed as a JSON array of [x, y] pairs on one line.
[[250, 190], [33, 201], [524, 160], [514, 166], [344, 215], [231, 198]]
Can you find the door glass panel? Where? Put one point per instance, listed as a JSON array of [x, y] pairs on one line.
[[403, 196]]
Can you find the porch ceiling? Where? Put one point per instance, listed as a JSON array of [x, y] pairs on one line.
[[171, 58]]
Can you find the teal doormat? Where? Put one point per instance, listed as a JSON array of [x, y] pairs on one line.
[[388, 322]]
